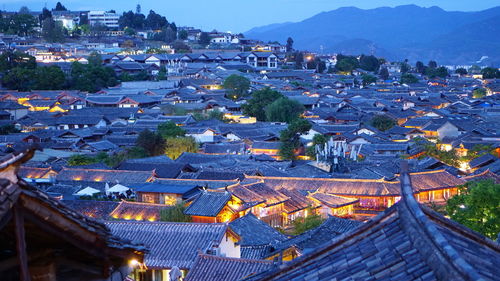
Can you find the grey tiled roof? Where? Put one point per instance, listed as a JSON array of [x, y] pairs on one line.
[[255, 232], [208, 203], [214, 268], [405, 242], [171, 244]]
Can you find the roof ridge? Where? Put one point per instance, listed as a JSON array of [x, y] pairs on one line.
[[420, 229], [201, 255]]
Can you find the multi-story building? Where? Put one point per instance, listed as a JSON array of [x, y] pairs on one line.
[[108, 19]]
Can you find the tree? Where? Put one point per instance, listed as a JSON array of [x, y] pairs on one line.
[[475, 69], [170, 130], [346, 63], [183, 35], [479, 93], [432, 64], [405, 68], [8, 129], [22, 23], [153, 143], [93, 76], [52, 31], [408, 79], [49, 78], [420, 67], [476, 206], [490, 73], [180, 47], [289, 45], [174, 214], [301, 224], [441, 72], [461, 71], [290, 138], [369, 63], [20, 79], [284, 110], [204, 39], [255, 106], [44, 15], [10, 60], [162, 73], [382, 122], [299, 60], [237, 86], [174, 147], [318, 139], [156, 21], [60, 7], [80, 160], [368, 79], [384, 73], [129, 31]]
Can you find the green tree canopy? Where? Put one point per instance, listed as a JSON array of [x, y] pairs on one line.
[[256, 105], [490, 73], [49, 78], [174, 214], [151, 142], [19, 78], [170, 130], [301, 224], [382, 122], [290, 138], [183, 35], [477, 207], [420, 67], [174, 147], [384, 73], [408, 79], [368, 79], [369, 63], [461, 71], [284, 110], [346, 63], [441, 72], [204, 39], [10, 59], [52, 31], [81, 159], [237, 86], [479, 93]]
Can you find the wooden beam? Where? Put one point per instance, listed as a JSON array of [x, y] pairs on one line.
[[22, 256]]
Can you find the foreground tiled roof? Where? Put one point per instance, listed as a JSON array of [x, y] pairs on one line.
[[406, 242], [15, 191], [312, 239], [214, 268], [171, 244]]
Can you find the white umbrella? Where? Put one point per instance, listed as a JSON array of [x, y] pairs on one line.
[[87, 191], [118, 188]]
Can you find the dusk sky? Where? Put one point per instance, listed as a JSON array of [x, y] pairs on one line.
[[242, 15]]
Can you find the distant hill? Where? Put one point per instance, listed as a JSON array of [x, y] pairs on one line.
[[402, 32]]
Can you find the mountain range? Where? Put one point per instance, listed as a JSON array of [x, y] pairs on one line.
[[403, 32]]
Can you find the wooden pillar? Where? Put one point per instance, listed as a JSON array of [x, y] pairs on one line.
[[22, 256]]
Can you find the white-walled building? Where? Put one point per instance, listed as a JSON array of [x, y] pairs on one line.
[[108, 19]]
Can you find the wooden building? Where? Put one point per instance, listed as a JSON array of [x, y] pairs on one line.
[[42, 239]]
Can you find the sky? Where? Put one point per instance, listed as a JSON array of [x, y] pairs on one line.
[[241, 15]]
